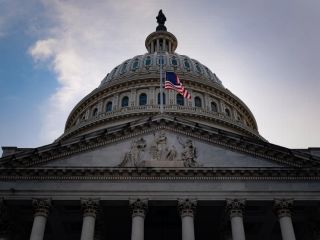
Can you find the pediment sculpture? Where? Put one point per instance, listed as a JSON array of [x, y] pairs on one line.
[[161, 153]]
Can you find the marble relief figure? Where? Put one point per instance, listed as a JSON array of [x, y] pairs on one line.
[[133, 158], [160, 153], [189, 153]]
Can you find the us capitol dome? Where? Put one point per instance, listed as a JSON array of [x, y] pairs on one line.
[[128, 167], [131, 91]]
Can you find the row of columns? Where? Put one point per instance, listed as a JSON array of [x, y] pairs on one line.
[[186, 208]]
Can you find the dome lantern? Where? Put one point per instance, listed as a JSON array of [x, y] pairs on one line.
[[161, 40]]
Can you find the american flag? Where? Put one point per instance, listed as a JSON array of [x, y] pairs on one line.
[[173, 82]]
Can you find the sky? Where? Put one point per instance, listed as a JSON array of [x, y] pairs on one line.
[[54, 52]]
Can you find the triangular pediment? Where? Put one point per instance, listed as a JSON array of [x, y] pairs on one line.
[[161, 142], [162, 148]]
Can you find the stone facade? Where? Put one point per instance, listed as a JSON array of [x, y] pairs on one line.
[[124, 170]]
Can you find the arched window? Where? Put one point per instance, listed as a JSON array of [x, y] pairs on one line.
[[160, 60], [163, 97], [198, 68], [197, 102], [148, 61], [95, 112], [125, 102], [124, 68], [143, 99], [135, 65], [228, 112], [186, 64], [109, 107], [174, 61], [214, 107], [180, 99]]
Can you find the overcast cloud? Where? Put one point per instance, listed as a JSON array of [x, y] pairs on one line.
[[266, 52]]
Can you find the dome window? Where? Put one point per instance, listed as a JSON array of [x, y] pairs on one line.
[[143, 99], [125, 102], [163, 97], [198, 68], [135, 65], [187, 64], [214, 107], [148, 61], [124, 68], [109, 107], [197, 102], [228, 113], [95, 112], [180, 100], [161, 60], [174, 61]]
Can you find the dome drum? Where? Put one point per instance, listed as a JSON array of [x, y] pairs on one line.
[[161, 41]]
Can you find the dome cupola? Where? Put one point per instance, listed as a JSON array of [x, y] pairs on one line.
[[161, 40]]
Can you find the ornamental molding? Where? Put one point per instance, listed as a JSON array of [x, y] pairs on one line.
[[139, 207], [187, 207], [41, 207], [235, 207], [283, 207], [89, 207], [38, 156], [159, 174]]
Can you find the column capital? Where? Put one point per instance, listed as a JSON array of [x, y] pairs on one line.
[[41, 207], [235, 207], [283, 207], [138, 207], [187, 207], [89, 207]]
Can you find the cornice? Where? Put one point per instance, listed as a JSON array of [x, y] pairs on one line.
[[235, 142], [159, 174]]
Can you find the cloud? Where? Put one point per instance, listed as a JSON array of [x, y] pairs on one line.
[[261, 55], [43, 49], [78, 47]]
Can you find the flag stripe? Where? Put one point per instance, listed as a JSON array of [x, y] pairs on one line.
[[173, 82]]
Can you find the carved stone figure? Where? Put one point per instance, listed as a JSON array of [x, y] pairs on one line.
[[159, 150], [189, 153], [172, 154], [133, 158]]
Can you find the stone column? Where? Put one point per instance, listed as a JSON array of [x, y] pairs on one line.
[[283, 210], [90, 209], [158, 45], [139, 209], [41, 210], [187, 209], [235, 209]]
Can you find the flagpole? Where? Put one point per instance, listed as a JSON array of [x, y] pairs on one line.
[[161, 86]]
